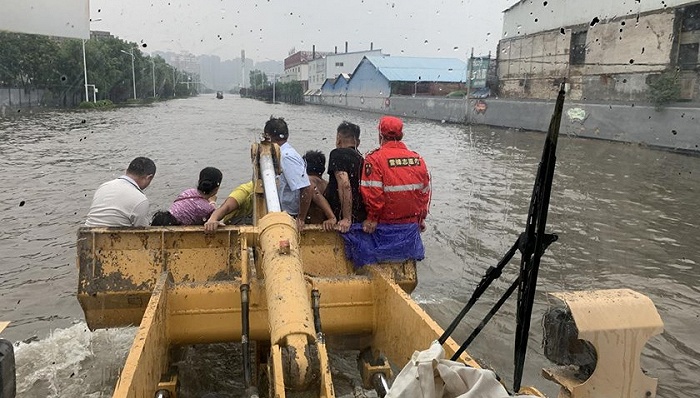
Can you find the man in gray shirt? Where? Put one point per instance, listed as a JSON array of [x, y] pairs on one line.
[[121, 202]]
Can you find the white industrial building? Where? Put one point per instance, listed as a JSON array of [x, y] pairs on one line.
[[332, 65]]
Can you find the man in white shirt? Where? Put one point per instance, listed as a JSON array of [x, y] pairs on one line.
[[121, 202], [295, 190]]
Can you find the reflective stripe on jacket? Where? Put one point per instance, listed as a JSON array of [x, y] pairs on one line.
[[395, 185]]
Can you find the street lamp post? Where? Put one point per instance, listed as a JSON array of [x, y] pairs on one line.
[[85, 73], [133, 69], [153, 73], [274, 83]]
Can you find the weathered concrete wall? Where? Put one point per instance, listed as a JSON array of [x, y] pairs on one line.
[[672, 128], [620, 55], [527, 17], [630, 45], [533, 66], [622, 87], [690, 85]]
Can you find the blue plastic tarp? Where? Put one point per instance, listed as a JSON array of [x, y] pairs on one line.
[[390, 242]]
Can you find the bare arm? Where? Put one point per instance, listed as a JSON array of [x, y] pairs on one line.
[[345, 195], [213, 222], [306, 195]]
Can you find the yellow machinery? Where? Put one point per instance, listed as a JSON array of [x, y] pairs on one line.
[[289, 292]]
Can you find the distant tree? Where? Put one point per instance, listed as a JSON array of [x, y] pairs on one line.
[[32, 61], [258, 79], [664, 88], [26, 60]]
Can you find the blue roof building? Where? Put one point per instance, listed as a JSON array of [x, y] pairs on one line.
[[338, 85], [383, 76]]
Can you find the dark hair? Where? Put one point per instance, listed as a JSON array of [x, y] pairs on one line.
[[276, 129], [141, 167], [163, 218], [315, 162], [209, 179], [349, 130]]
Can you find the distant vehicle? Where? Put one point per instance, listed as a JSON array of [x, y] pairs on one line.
[[220, 95]]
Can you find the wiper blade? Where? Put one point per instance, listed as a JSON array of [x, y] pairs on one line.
[[534, 241]]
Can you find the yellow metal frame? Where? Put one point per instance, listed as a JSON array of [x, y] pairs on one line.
[[182, 287], [618, 323]]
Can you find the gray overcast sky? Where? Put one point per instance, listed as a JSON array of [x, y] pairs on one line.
[[268, 29]]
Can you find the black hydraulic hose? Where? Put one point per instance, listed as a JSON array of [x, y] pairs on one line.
[[247, 378], [381, 386], [316, 306], [486, 319], [535, 240], [492, 274]]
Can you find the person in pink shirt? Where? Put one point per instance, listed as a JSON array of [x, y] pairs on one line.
[[193, 206]]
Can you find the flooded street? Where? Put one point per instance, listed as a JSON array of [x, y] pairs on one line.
[[626, 217]]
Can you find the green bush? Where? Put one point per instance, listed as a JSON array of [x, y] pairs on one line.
[[664, 88], [457, 94], [104, 103], [87, 105]]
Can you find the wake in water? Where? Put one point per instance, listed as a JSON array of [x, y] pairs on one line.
[[72, 362]]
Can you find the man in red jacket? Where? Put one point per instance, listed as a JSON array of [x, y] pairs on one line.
[[395, 182]]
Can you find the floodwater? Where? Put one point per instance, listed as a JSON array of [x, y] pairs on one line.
[[626, 216]]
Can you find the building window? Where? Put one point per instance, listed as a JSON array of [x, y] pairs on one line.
[[338, 64], [691, 18], [577, 55], [688, 56], [689, 37]]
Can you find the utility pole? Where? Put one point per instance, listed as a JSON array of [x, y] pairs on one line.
[[153, 73], [133, 69], [469, 82], [243, 69], [87, 99], [274, 83]]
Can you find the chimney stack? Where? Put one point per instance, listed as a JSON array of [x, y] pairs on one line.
[[346, 47], [371, 46], [336, 49], [313, 51]]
